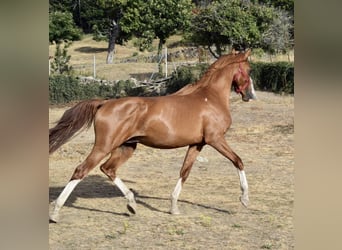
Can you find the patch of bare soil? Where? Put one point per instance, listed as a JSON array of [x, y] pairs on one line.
[[262, 134]]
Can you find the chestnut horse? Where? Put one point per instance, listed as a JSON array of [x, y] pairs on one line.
[[196, 115]]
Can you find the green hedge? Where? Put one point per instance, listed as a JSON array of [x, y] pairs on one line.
[[64, 89], [276, 77]]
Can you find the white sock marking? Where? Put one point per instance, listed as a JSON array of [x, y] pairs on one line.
[[124, 189], [252, 89], [66, 192], [177, 190], [174, 197], [243, 181], [62, 198]]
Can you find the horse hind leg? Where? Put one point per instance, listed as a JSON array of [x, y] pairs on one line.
[[120, 156], [189, 160], [80, 172]]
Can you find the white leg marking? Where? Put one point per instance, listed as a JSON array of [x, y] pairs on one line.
[[174, 197], [243, 180], [62, 198], [118, 182], [127, 193], [253, 95], [244, 187]]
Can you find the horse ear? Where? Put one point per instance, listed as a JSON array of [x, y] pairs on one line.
[[247, 53]]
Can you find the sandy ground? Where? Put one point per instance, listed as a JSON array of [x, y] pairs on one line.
[[262, 134]]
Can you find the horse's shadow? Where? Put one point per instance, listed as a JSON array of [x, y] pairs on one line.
[[96, 186]]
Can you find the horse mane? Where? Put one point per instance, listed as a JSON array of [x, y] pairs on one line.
[[220, 63]]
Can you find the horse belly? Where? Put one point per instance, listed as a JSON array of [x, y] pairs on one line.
[[166, 143], [162, 135]]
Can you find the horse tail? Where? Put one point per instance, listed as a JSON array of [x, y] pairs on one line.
[[78, 117]]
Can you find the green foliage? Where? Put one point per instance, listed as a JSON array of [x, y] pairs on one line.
[[86, 13], [154, 19], [185, 75], [97, 34], [278, 37], [64, 89], [221, 24], [277, 77], [60, 63], [169, 16], [62, 27], [287, 5], [232, 23]]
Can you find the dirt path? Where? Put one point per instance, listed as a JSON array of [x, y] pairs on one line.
[[95, 215]]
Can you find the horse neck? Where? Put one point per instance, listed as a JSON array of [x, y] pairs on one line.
[[221, 82], [218, 83]]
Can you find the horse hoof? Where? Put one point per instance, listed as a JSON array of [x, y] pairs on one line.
[[174, 211], [244, 201], [132, 208], [53, 219]]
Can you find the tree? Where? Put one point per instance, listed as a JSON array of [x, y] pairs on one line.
[[284, 6], [144, 20], [277, 38], [111, 27], [118, 21], [155, 19], [287, 5], [169, 16], [230, 24], [62, 27]]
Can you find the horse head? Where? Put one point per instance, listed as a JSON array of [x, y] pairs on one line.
[[242, 82]]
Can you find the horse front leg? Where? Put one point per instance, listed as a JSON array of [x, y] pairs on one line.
[[221, 146], [189, 160]]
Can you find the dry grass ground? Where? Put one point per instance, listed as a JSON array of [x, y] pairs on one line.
[[95, 216]]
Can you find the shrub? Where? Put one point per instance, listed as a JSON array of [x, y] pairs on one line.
[[64, 89], [60, 63], [185, 75], [276, 77]]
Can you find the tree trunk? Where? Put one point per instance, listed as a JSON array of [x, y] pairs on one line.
[[213, 53], [113, 33], [159, 56]]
